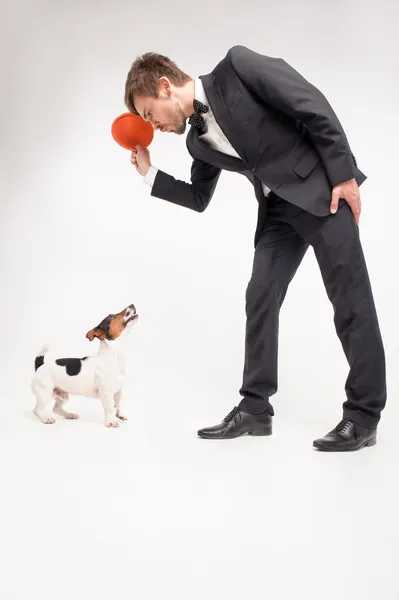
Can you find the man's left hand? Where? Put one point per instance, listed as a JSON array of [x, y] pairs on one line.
[[349, 190]]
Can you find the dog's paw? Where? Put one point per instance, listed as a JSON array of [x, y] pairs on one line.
[[112, 424], [49, 421], [72, 416], [121, 417]]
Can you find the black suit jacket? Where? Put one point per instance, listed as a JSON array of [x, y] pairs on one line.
[[283, 129]]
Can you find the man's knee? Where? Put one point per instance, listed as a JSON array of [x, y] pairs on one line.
[[264, 294]]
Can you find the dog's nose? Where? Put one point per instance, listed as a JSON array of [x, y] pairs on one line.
[[132, 307]]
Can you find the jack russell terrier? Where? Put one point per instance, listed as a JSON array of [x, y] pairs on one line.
[[100, 376]]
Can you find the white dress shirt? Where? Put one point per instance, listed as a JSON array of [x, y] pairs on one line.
[[213, 135]]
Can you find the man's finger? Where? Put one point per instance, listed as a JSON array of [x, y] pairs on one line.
[[334, 202], [356, 213], [355, 206]]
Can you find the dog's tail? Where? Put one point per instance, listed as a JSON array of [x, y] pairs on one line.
[[39, 360]]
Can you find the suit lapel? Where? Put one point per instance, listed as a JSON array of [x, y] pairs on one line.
[[222, 117], [204, 152]]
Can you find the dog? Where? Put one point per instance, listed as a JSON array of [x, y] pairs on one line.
[[100, 376]]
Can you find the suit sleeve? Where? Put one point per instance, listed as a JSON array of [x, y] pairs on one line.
[[195, 195], [274, 81]]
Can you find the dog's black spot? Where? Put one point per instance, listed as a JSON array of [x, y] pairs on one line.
[[104, 326], [73, 365], [39, 361]]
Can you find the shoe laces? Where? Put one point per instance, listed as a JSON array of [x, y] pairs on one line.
[[343, 426], [235, 415]]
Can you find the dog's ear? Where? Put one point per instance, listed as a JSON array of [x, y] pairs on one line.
[[96, 332]]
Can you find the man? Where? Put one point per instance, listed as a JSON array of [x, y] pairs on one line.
[[257, 116]]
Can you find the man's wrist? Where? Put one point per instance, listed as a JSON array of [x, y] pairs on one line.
[[149, 177]]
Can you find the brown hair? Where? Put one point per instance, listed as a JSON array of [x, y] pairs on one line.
[[144, 74]]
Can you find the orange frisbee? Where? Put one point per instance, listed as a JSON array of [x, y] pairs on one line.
[[130, 130]]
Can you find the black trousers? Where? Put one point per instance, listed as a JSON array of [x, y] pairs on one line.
[[288, 233]]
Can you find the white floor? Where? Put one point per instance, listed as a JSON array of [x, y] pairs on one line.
[[151, 511]]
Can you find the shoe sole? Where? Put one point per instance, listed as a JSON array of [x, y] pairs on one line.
[[258, 433], [367, 444]]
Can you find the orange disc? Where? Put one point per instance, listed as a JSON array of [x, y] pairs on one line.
[[130, 130]]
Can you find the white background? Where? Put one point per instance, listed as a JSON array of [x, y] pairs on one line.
[[149, 509]]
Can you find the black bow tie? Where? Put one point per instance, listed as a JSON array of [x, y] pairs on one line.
[[197, 120]]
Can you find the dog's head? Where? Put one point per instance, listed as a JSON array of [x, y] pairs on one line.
[[114, 325]]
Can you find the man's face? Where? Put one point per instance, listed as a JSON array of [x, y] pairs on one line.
[[164, 113]]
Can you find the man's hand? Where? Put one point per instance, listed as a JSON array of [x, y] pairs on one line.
[[349, 190], [140, 158]]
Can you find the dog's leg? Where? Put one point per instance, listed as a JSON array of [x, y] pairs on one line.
[[109, 409], [43, 389], [61, 398], [117, 402]]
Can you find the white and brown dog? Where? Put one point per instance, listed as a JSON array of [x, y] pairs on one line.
[[100, 376]]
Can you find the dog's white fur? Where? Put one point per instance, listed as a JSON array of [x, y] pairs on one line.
[[101, 376]]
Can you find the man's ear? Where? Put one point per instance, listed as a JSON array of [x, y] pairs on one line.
[[96, 332]]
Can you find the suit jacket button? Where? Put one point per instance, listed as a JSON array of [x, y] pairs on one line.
[[253, 168]]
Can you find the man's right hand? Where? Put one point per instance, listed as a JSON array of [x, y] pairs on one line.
[[140, 158]]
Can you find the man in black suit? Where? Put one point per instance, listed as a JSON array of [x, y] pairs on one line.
[[256, 115]]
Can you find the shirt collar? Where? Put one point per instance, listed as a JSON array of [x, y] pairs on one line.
[[199, 92]]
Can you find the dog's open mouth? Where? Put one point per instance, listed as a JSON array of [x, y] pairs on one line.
[[132, 318]]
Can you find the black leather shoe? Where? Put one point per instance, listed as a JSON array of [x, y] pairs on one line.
[[346, 436], [238, 423]]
